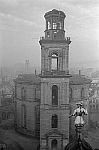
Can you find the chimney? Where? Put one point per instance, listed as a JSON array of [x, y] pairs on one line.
[[35, 71], [27, 66], [79, 72]]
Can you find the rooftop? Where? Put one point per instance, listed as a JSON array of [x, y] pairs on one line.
[[55, 12], [79, 79], [35, 79], [28, 78]]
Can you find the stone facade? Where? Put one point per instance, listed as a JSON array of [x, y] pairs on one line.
[[47, 110], [54, 106], [69, 93], [7, 116], [27, 98]]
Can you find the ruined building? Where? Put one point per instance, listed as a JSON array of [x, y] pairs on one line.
[[44, 102]]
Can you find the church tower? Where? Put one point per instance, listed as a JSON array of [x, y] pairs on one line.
[[54, 107]]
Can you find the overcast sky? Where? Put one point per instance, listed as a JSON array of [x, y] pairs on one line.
[[22, 23]]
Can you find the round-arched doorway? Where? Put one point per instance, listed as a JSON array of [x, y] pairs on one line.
[[54, 144]]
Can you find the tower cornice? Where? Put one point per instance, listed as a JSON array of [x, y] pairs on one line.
[[46, 41], [55, 76]]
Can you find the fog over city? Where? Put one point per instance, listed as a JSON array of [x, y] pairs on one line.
[[49, 74], [22, 24]]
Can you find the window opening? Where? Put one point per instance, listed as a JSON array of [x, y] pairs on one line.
[[54, 121], [54, 62], [82, 92], [59, 25], [54, 144], [70, 92], [23, 116], [49, 25], [54, 25], [54, 95], [23, 93]]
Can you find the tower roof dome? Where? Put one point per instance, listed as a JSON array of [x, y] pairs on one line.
[[55, 12]]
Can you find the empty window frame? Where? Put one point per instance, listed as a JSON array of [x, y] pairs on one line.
[[54, 121], [82, 93], [23, 93], [55, 95], [23, 116], [54, 65], [54, 144]]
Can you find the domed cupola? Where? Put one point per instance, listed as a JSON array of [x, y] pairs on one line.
[[54, 25]]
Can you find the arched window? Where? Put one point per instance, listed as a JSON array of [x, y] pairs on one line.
[[23, 116], [54, 95], [70, 92], [54, 65], [98, 91], [54, 25], [54, 144], [82, 93], [23, 93], [49, 25], [90, 107], [59, 25], [3, 116], [54, 121], [8, 115]]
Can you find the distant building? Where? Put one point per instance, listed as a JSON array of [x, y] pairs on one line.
[[6, 104], [94, 106], [7, 116]]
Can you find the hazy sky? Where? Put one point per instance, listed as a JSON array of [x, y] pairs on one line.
[[22, 23]]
